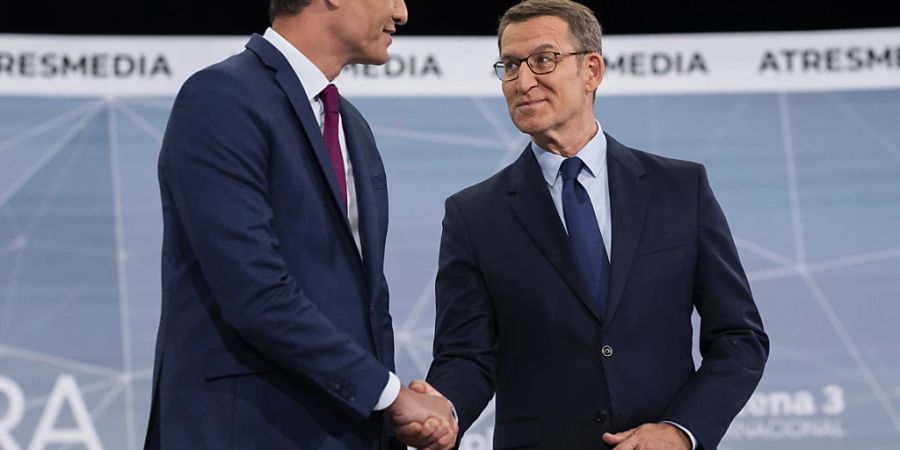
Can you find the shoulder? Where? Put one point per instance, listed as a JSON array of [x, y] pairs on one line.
[[658, 164], [485, 192], [238, 78], [659, 168]]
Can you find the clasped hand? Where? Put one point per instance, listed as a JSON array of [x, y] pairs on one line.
[[423, 418]]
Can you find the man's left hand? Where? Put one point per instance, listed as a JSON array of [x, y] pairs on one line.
[[650, 436]]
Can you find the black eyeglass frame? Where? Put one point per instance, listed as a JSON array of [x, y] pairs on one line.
[[500, 66]]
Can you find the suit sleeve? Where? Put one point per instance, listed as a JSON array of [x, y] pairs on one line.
[[214, 162], [387, 328], [732, 342], [465, 332]]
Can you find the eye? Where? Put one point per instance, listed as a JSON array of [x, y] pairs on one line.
[[511, 66], [542, 59]]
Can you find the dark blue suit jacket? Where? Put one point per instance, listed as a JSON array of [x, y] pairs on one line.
[[515, 317], [275, 333]]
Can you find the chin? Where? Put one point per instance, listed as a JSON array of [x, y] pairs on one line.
[[371, 60], [377, 59], [528, 125]]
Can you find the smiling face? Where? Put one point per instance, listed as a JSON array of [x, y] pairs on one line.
[[553, 103], [366, 28]]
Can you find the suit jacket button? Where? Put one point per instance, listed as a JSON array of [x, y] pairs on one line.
[[372, 309], [601, 416], [606, 351]]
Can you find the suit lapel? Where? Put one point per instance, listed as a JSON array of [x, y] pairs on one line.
[[530, 201], [628, 195], [358, 146], [287, 79]]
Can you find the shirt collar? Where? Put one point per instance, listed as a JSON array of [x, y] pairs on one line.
[[593, 154], [312, 79]]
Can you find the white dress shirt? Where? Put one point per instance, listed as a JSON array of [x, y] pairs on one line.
[[314, 81], [595, 179]]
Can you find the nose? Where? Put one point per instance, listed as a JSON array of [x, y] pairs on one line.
[[526, 79], [401, 14]]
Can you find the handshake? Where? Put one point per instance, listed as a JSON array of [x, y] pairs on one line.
[[423, 418]]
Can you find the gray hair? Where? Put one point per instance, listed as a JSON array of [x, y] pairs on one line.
[[583, 24]]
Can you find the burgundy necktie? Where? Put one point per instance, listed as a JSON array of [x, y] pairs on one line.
[[332, 101]]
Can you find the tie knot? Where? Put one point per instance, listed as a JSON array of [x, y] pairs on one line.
[[331, 99], [570, 168]]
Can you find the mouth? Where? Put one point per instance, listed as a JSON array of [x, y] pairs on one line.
[[527, 103]]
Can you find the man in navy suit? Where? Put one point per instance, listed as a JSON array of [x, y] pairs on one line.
[[567, 281], [275, 331]]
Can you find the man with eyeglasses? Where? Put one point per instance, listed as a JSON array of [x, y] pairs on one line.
[[567, 280]]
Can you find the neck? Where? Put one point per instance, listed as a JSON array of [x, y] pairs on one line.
[[569, 140], [304, 31]]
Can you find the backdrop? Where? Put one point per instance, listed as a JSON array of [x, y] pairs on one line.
[[799, 132]]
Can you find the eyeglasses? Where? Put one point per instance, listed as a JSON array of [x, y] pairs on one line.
[[539, 63]]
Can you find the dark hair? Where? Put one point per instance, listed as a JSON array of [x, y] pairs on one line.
[[286, 8], [583, 24]]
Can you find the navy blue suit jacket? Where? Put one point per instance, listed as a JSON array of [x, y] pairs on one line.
[[275, 332], [515, 317]]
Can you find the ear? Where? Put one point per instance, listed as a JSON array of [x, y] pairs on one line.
[[594, 70]]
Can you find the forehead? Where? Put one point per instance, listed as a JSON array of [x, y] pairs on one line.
[[536, 34]]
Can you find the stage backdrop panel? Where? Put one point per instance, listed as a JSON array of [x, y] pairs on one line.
[[799, 132]]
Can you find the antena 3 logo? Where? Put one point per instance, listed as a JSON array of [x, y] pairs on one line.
[[92, 65]]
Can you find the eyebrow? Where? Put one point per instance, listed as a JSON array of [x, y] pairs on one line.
[[538, 49]]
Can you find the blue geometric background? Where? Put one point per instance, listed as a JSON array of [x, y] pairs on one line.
[[810, 183]]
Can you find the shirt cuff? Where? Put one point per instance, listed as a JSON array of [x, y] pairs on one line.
[[453, 412], [389, 394], [688, 433]]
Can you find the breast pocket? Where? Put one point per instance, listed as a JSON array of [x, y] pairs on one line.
[[379, 182], [658, 248]]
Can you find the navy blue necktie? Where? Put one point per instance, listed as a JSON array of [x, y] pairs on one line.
[[584, 233]]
